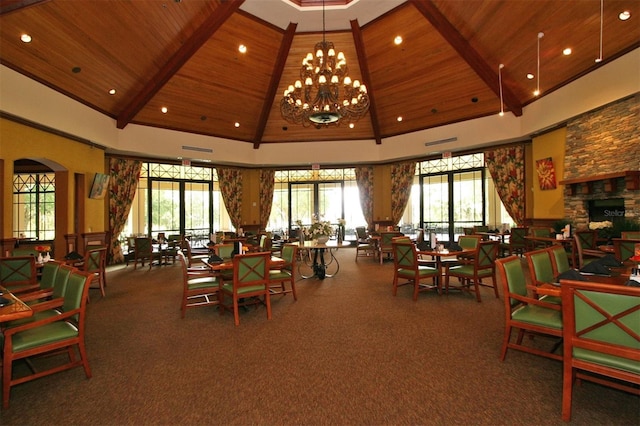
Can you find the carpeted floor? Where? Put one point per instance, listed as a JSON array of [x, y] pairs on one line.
[[346, 353]]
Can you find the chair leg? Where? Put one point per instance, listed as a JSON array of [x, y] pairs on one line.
[[505, 342]]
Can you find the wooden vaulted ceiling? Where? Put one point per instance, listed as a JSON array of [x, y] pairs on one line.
[[183, 55]]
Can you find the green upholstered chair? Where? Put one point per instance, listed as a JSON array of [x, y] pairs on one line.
[[624, 249], [538, 231], [278, 278], [46, 302], [630, 235], [541, 272], [517, 243], [364, 245], [224, 250], [174, 245], [144, 251], [385, 248], [250, 284], [601, 337], [526, 314], [408, 269], [95, 262], [587, 239], [18, 274], [63, 333], [559, 259], [200, 286], [481, 267], [585, 256]]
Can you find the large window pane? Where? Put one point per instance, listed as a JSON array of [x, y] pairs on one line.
[[435, 192]]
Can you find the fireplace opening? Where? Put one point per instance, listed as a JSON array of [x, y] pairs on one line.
[[610, 209]]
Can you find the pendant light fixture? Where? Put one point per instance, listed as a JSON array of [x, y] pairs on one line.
[[500, 82], [537, 91]]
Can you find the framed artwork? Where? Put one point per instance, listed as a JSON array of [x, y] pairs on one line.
[[99, 186], [546, 173]]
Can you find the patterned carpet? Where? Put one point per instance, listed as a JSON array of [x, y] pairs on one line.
[[346, 353]]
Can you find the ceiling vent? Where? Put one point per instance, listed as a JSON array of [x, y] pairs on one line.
[[441, 141], [196, 148]]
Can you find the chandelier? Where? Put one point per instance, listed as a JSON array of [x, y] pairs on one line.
[[324, 94]]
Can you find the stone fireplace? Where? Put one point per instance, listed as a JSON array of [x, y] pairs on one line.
[[602, 160]]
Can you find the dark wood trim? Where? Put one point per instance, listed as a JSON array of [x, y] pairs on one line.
[[173, 65], [366, 78], [278, 68], [488, 74], [631, 179]]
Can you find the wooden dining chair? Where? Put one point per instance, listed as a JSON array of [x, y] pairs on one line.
[[250, 285], [18, 274], [364, 245], [385, 248], [408, 271], [601, 337], [480, 267], [95, 262], [624, 249], [144, 251], [63, 334], [517, 242], [526, 314], [585, 256], [200, 286], [541, 272], [278, 278], [559, 259]]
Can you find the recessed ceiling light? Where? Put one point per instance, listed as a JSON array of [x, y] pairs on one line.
[[242, 48], [397, 40], [624, 15], [351, 125], [567, 51], [530, 76], [399, 118], [112, 91], [26, 38], [164, 110], [237, 124]]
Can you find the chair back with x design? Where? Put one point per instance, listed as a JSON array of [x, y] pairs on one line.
[[18, 273], [601, 337]]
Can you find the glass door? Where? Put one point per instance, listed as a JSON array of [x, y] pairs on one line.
[[324, 200], [451, 202]]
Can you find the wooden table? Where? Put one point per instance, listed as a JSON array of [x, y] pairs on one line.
[[16, 308], [439, 254], [619, 276], [275, 263], [500, 236]]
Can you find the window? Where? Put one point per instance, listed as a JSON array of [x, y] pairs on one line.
[[450, 194], [34, 196]]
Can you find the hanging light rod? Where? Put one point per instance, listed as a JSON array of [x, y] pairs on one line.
[[325, 94]]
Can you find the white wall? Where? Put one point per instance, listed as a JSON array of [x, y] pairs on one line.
[[28, 99]]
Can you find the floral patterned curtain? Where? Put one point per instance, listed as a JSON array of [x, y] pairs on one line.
[[506, 166], [401, 179], [364, 179], [267, 181], [230, 181], [123, 183]]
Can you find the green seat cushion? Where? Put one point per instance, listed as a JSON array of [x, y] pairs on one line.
[[607, 360], [423, 271], [279, 275], [538, 315], [556, 300], [242, 290], [204, 282], [467, 270], [48, 333]]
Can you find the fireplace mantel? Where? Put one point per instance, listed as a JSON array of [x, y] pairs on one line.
[[631, 179]]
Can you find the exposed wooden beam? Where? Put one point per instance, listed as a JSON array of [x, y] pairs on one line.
[[8, 6], [468, 53], [366, 77], [276, 75], [190, 47]]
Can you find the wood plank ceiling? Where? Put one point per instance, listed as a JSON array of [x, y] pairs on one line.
[[183, 55]]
